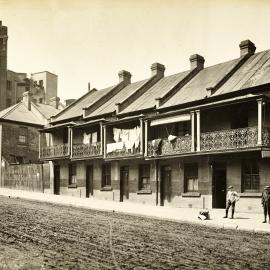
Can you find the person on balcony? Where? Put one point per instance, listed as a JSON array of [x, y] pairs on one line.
[[266, 203], [232, 198]]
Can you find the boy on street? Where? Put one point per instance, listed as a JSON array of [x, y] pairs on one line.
[[266, 203], [232, 197]]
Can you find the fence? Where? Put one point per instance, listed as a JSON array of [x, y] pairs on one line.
[[31, 177]]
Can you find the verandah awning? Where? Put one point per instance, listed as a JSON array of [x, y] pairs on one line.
[[171, 119]]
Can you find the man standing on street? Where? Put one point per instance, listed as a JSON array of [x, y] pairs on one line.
[[266, 203], [232, 197]]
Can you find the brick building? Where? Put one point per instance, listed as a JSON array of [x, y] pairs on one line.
[[175, 140], [19, 131]]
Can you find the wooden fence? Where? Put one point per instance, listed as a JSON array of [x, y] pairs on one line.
[[31, 177]]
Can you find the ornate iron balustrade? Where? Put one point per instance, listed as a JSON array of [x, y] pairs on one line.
[[266, 136], [60, 150], [230, 139], [180, 145], [124, 152], [86, 150]]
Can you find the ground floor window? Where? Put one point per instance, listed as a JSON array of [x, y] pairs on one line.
[[72, 174], [106, 174], [191, 177], [144, 177], [250, 176]]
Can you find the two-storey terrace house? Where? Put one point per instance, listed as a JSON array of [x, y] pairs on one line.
[[178, 140]]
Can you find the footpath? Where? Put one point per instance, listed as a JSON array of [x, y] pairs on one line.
[[242, 221]]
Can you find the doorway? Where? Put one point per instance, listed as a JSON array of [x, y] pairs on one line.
[[56, 179], [89, 181], [165, 185], [124, 191], [219, 185]]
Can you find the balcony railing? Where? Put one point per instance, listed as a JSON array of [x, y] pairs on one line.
[[124, 152], [233, 139], [54, 151], [163, 147], [86, 150]]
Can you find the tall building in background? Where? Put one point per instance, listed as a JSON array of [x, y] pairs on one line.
[[41, 85], [3, 65]]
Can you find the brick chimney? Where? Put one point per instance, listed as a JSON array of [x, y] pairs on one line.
[[27, 99], [247, 47], [196, 61], [54, 102], [124, 76], [158, 70]]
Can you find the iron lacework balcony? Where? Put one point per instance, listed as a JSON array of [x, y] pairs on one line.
[[55, 151], [124, 152], [240, 138], [86, 150], [180, 145]]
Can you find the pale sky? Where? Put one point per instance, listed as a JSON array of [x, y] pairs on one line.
[[91, 41]]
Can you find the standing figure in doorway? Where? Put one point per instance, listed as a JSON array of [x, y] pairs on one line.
[[266, 203], [232, 198]]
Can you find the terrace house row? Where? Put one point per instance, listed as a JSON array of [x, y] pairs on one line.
[[175, 140]]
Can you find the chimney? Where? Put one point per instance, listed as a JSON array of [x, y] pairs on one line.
[[158, 70], [69, 101], [196, 61], [54, 102], [124, 76], [27, 99], [247, 47], [89, 89]]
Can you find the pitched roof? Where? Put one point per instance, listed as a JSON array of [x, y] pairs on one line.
[[20, 113], [109, 106], [255, 71], [76, 108], [159, 89], [196, 88], [46, 110]]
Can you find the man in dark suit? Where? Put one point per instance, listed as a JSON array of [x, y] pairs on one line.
[[266, 203]]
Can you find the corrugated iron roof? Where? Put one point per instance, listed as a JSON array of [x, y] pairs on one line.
[[256, 71], [196, 88], [159, 89], [109, 106], [20, 113], [76, 109], [46, 110]]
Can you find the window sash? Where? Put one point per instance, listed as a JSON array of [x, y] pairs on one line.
[[144, 177]]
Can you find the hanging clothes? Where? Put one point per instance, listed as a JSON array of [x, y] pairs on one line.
[[156, 146], [86, 138], [171, 138], [111, 147], [116, 134], [94, 137]]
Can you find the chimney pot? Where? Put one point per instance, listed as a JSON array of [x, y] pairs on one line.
[[27, 99], [54, 102], [124, 76], [196, 61], [158, 69], [89, 88], [247, 47]]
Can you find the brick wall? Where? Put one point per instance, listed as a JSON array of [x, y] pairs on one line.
[[12, 147]]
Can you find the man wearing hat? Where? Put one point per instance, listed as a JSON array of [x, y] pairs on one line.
[[232, 197], [266, 202]]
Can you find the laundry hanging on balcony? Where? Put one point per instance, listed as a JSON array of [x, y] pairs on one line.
[[171, 138], [129, 137], [111, 147], [90, 138]]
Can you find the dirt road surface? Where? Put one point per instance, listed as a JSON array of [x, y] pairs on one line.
[[36, 235]]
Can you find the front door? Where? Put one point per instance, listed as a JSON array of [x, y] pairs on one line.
[[56, 179], [124, 174], [219, 185], [165, 185], [89, 181]]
